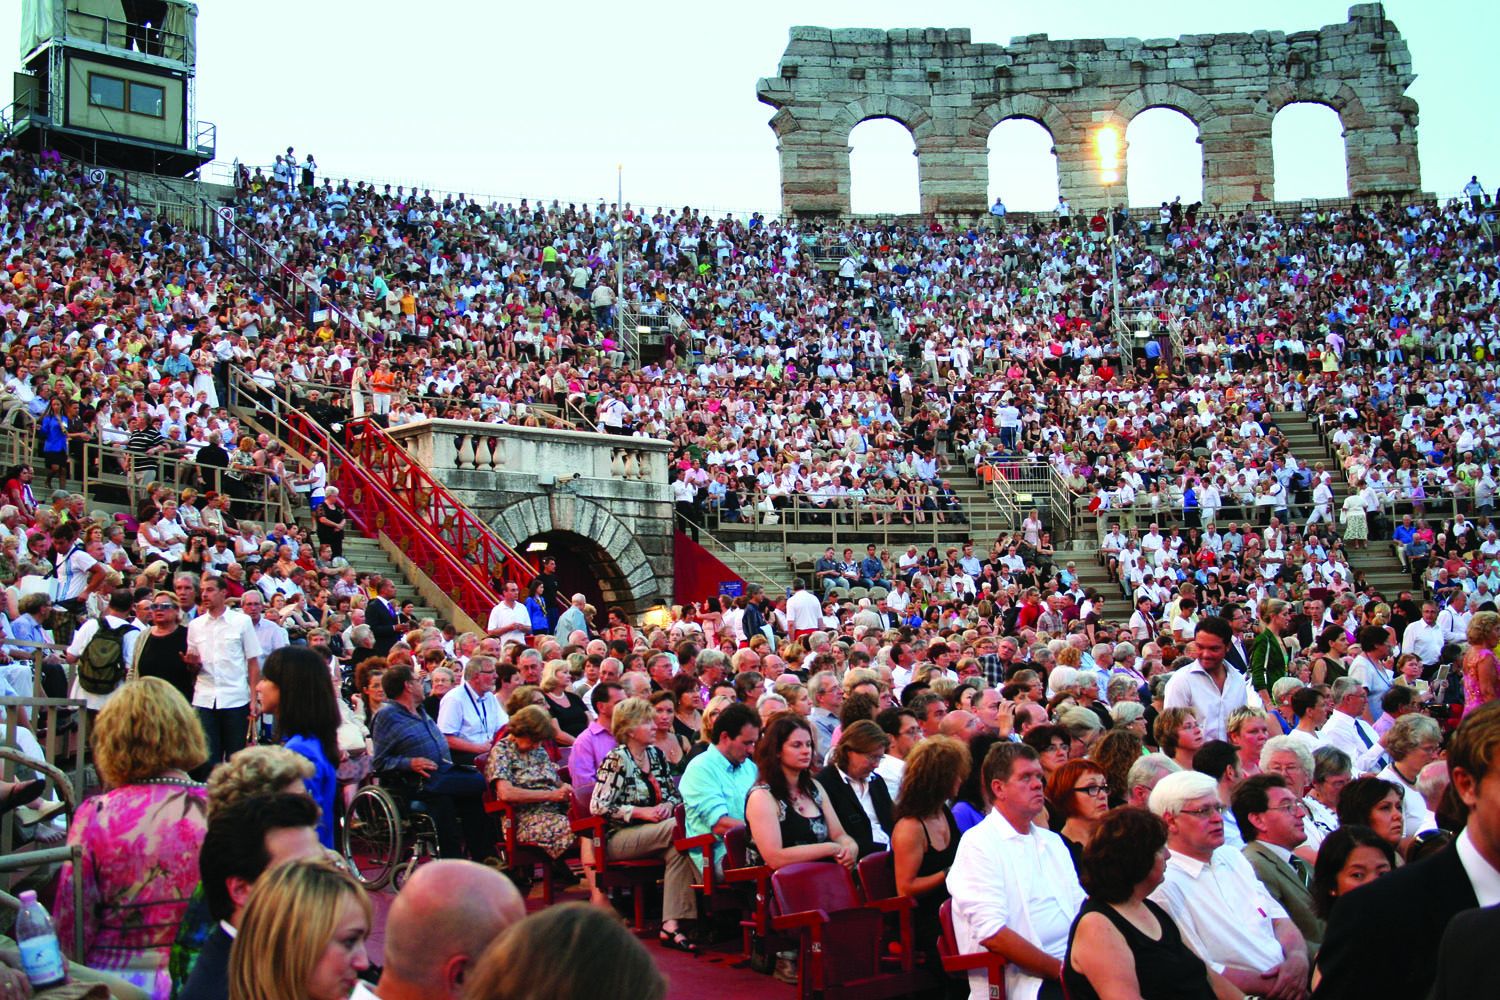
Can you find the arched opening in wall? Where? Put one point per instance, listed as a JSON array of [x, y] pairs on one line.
[[1023, 168], [582, 568], [1307, 149], [1163, 159], [883, 168]]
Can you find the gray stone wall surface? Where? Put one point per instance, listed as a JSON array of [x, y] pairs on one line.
[[951, 92]]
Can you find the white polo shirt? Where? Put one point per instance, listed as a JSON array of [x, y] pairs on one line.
[[468, 715], [1224, 912]]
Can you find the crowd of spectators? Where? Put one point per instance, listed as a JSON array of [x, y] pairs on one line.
[[1307, 712]]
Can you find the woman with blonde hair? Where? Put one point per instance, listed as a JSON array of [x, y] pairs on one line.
[[1179, 733], [140, 838], [636, 792], [565, 706], [303, 935], [1481, 676], [257, 770], [1269, 657]]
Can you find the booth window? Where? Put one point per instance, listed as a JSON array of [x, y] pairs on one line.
[[106, 92], [127, 95]]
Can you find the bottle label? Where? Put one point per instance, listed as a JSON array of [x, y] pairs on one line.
[[43, 961]]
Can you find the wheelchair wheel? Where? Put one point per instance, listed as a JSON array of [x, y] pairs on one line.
[[373, 837]]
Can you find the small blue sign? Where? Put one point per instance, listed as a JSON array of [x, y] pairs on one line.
[[733, 588]]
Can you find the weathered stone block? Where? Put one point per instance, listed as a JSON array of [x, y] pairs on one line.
[[1228, 80]]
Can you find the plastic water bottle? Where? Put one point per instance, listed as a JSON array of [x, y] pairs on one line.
[[40, 955]]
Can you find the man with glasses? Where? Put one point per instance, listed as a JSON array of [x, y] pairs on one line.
[[1424, 639], [1346, 728], [406, 739], [469, 713], [859, 797], [1224, 912], [1272, 820], [905, 733]]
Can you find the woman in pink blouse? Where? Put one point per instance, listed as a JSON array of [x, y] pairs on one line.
[[140, 839]]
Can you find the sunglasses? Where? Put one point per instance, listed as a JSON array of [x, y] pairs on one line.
[[164, 607]]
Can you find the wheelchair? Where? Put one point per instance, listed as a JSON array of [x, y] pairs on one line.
[[387, 830]]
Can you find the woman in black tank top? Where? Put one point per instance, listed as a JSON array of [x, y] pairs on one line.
[[1122, 865], [924, 842]]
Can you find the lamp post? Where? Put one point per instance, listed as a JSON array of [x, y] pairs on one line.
[[1108, 141]]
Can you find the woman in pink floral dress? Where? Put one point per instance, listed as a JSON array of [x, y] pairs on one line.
[[140, 839]]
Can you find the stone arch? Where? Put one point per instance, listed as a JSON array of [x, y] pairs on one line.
[[1029, 106], [1166, 95], [608, 546], [1335, 94], [916, 119]]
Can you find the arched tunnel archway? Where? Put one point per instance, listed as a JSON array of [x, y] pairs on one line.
[[597, 553]]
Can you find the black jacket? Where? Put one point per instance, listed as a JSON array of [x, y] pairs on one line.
[[382, 623], [851, 814], [1356, 960], [1465, 966], [209, 979]]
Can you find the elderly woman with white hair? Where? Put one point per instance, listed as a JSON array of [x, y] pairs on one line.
[[1413, 741], [1292, 758]]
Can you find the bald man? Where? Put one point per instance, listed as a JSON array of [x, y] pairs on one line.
[[439, 925], [961, 725]]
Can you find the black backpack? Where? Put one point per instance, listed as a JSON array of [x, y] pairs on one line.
[[102, 665]]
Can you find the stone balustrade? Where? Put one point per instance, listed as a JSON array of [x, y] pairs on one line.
[[470, 448]]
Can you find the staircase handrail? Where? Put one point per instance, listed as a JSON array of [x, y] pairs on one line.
[[286, 270], [401, 476], [436, 531]]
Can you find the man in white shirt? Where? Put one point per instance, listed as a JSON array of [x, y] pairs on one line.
[[1015, 891], [1428, 893], [223, 645], [1224, 912], [271, 636], [1454, 619], [469, 714], [1347, 730], [118, 619], [804, 610], [1210, 684], [1424, 637], [509, 620], [905, 733]]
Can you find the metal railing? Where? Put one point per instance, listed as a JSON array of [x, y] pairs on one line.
[[387, 493], [105, 466], [272, 273], [855, 523], [538, 410], [80, 25], [640, 328]]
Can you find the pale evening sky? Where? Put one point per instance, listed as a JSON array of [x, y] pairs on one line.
[[542, 101]]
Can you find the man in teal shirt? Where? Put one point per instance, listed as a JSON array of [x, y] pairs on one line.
[[718, 780]]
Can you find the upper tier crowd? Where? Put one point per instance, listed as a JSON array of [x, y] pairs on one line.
[[1089, 785]]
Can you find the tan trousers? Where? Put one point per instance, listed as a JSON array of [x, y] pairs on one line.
[[654, 840]]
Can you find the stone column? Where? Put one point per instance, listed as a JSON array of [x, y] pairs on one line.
[[1237, 166], [1079, 179], [814, 172], [1382, 156], [953, 173]]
